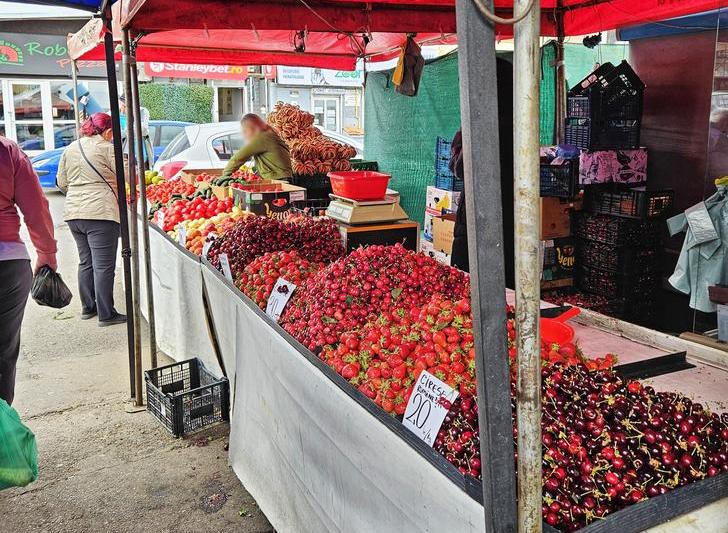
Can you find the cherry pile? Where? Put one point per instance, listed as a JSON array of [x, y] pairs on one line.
[[259, 277], [356, 289], [607, 442], [316, 240]]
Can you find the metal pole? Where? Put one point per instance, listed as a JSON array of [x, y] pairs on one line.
[[134, 225], [143, 196], [479, 115], [527, 60], [121, 188], [76, 110]]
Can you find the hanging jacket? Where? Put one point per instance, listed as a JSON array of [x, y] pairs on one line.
[[703, 260]]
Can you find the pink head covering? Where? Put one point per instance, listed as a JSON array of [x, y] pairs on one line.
[[96, 124]]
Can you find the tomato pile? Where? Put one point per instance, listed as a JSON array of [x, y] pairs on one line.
[[163, 192], [197, 208], [259, 277], [316, 240], [353, 290]]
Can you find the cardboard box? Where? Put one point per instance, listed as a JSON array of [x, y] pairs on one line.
[[264, 202], [441, 201], [613, 166], [189, 175], [556, 217], [428, 248], [443, 233], [427, 225], [559, 259]]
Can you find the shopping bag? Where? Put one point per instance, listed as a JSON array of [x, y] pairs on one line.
[[18, 452], [48, 289]]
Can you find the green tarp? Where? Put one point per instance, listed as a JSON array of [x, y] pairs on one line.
[[401, 132]]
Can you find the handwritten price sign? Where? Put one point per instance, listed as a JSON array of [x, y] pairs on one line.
[[427, 407]]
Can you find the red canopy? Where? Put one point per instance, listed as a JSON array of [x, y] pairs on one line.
[[338, 32]]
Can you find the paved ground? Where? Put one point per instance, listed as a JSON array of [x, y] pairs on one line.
[[102, 469]]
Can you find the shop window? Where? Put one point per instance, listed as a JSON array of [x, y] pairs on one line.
[[30, 136]]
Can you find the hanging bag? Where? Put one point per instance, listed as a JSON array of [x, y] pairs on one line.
[[18, 451], [49, 289]]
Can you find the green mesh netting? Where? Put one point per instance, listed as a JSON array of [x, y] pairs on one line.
[[580, 60], [401, 132], [547, 119]]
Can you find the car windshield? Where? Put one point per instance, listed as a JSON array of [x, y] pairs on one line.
[[180, 143]]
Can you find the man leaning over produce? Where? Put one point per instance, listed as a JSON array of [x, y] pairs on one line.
[[268, 150]]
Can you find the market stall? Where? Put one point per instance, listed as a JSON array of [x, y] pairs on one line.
[[489, 350]]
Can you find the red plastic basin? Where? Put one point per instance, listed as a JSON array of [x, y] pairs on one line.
[[359, 184]]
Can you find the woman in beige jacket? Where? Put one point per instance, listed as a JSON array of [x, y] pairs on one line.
[[86, 173]]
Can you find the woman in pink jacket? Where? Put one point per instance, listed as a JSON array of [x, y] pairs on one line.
[[19, 189]]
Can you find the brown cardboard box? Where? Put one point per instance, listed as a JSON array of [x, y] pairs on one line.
[[262, 201], [556, 217], [443, 233], [188, 175]]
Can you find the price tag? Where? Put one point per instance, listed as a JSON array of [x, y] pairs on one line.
[[181, 234], [225, 265], [427, 407], [160, 219], [279, 296], [208, 242]]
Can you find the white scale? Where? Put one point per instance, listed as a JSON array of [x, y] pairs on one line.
[[357, 212]]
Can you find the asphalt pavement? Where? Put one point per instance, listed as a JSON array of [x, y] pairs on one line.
[[100, 468]]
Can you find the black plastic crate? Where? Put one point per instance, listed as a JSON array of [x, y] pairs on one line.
[[617, 231], [604, 110], [442, 158], [186, 397], [636, 285], [559, 180], [318, 186], [449, 183], [360, 164], [617, 258], [310, 208], [636, 203]]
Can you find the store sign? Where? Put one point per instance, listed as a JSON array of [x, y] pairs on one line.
[[427, 407], [206, 72], [279, 296], [319, 77], [42, 55]]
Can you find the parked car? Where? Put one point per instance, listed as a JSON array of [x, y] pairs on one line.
[[212, 145], [161, 133]]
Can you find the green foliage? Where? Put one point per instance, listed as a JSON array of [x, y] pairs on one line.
[[166, 101]]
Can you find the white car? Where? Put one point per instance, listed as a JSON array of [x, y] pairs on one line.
[[212, 145]]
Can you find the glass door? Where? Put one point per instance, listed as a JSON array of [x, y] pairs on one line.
[[326, 110], [26, 113]]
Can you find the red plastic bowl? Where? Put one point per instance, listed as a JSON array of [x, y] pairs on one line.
[[359, 184]]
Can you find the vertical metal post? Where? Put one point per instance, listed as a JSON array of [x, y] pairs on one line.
[[134, 225], [121, 189], [527, 63], [136, 104], [76, 110], [479, 115]]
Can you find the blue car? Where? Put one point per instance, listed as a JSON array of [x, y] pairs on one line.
[[161, 133]]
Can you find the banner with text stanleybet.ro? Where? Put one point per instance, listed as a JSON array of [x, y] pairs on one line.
[[207, 72]]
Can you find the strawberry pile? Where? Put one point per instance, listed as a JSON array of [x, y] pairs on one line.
[[316, 240], [384, 358], [356, 289], [607, 442], [259, 277]]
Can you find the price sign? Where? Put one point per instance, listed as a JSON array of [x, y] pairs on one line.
[[427, 407], [225, 265], [181, 234], [208, 242], [279, 296], [160, 219]]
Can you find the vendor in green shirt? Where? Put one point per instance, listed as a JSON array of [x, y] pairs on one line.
[[267, 149]]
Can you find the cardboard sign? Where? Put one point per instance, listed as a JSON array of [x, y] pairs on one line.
[[225, 266], [427, 407], [279, 296], [181, 234]]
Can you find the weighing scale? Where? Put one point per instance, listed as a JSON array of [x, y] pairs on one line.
[[372, 211]]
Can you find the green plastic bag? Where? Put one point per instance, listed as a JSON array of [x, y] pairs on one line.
[[18, 452]]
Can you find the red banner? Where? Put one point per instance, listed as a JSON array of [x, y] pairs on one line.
[[207, 72]]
